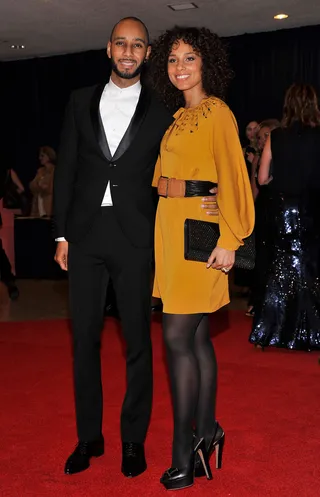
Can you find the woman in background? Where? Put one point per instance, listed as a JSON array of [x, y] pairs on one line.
[[251, 149], [42, 185], [262, 133], [289, 313], [263, 236], [243, 277]]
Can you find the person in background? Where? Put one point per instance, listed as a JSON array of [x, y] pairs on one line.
[[288, 314], [189, 70], [6, 274], [42, 185], [263, 131], [14, 194], [243, 277], [251, 149], [262, 227], [16, 180]]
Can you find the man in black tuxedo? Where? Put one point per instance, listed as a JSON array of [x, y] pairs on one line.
[[104, 219]]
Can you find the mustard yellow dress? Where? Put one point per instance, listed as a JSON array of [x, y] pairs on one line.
[[201, 144]]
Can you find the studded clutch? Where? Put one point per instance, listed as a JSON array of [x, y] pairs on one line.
[[201, 237]]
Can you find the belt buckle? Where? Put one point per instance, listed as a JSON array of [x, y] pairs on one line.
[[167, 186]]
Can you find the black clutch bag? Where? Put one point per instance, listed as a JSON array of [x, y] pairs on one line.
[[201, 237]]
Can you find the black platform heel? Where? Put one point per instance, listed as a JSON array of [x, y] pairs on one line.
[[177, 479], [216, 445]]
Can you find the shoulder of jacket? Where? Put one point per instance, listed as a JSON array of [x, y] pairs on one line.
[[86, 91]]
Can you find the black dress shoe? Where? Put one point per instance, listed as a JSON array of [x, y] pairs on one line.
[[80, 457], [133, 459]]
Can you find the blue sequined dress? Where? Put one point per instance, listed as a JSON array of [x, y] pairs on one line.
[[289, 313]]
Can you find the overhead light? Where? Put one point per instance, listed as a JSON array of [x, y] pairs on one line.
[[183, 6], [279, 17], [17, 47]]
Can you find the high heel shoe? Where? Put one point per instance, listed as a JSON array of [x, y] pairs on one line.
[[216, 445], [176, 479]]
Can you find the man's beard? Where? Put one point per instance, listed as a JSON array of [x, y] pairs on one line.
[[126, 75]]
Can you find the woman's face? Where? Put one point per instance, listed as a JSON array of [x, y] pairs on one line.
[[43, 158], [251, 130], [262, 136], [184, 67]]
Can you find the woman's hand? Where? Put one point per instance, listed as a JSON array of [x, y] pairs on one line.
[[250, 157], [221, 259]]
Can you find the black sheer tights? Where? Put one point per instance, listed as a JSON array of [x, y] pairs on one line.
[[193, 376]]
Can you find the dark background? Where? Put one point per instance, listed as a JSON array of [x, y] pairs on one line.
[[34, 92]]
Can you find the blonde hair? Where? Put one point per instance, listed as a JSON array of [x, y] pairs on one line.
[[270, 123]]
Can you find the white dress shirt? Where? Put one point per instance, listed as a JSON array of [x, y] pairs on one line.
[[117, 106]]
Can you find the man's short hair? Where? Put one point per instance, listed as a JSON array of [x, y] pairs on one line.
[[132, 18]]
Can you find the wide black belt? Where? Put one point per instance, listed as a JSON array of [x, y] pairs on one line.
[[175, 188]]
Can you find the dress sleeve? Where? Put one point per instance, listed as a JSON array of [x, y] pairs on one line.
[[157, 172], [234, 198]]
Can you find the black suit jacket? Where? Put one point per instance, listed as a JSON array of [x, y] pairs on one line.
[[85, 166]]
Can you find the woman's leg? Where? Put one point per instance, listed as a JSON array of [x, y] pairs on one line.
[[206, 358], [179, 335]]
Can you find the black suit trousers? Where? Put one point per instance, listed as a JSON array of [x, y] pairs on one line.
[[102, 254]]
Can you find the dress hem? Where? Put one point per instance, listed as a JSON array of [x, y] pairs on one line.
[[169, 310]]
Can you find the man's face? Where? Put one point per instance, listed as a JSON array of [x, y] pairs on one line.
[[128, 49]]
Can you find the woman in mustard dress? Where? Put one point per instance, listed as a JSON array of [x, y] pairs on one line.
[[189, 67]]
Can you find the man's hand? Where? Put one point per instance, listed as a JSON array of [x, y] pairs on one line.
[[61, 256], [210, 203]]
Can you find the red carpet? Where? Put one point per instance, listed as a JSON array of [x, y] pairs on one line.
[[268, 404]]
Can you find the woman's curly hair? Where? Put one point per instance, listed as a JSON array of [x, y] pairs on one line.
[[216, 73]]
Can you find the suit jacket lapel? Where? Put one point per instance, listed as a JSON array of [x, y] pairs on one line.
[[97, 122], [135, 123]]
